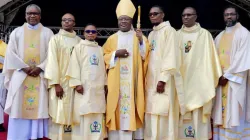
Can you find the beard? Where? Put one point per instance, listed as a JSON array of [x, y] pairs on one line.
[[231, 23]]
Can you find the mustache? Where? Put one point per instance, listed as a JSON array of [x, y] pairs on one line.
[[230, 20]]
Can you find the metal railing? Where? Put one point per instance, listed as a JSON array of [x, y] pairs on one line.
[[242, 4], [102, 33]]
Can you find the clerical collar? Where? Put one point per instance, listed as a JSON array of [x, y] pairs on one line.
[[161, 25], [89, 43], [35, 27], [66, 33], [125, 33], [230, 29], [194, 28]]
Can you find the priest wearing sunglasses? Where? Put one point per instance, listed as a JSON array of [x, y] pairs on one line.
[[125, 54], [90, 32], [87, 74], [162, 105]]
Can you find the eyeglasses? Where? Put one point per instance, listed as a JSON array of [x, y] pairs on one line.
[[230, 14], [90, 31], [154, 14], [68, 19], [33, 13], [188, 15]]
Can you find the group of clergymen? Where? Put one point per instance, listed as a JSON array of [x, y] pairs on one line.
[[164, 87]]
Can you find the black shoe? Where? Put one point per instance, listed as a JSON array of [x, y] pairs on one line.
[[2, 129]]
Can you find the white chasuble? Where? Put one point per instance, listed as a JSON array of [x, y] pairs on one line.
[[87, 68], [27, 96], [201, 71], [230, 113]]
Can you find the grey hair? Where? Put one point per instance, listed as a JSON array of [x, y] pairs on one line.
[[35, 6]]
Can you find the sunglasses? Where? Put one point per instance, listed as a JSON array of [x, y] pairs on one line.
[[90, 31], [153, 14]]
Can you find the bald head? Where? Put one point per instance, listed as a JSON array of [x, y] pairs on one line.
[[68, 22], [191, 8], [68, 15]]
